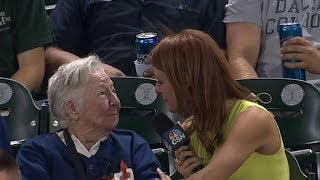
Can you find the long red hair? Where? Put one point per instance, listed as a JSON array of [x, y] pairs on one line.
[[197, 70]]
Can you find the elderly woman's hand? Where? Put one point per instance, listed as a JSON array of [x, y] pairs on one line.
[[163, 175], [301, 49]]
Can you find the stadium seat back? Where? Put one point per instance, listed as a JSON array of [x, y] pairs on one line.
[[19, 110], [295, 105]]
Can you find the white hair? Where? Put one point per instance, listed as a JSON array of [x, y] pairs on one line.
[[67, 83]]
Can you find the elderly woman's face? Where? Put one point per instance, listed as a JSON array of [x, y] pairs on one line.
[[101, 105]]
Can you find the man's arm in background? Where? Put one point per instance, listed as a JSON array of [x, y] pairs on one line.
[[31, 68], [243, 47], [55, 57]]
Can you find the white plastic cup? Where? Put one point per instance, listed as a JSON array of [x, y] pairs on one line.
[[141, 67]]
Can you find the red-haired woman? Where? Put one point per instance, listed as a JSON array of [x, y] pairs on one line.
[[233, 137]]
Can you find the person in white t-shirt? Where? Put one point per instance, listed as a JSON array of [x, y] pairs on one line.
[[253, 41]]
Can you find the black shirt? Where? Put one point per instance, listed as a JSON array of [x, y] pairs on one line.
[[107, 28]]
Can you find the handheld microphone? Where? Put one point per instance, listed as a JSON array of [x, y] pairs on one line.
[[172, 133]]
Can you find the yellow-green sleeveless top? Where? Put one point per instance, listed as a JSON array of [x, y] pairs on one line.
[[257, 166]]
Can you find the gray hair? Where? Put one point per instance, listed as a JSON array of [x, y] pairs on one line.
[[67, 83]]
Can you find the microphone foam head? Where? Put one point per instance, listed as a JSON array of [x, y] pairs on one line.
[[161, 123]]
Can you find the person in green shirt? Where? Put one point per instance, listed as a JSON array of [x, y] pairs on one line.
[[230, 135], [24, 31]]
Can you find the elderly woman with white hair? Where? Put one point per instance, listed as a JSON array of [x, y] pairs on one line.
[[82, 98]]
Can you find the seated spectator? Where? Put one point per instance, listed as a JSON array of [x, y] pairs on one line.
[[8, 167], [109, 28], [24, 31], [252, 37], [233, 137], [82, 98], [4, 140]]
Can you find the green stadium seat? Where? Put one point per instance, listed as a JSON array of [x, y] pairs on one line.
[[296, 106], [20, 111], [18, 107], [294, 168]]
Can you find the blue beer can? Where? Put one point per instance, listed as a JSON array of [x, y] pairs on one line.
[[144, 44], [287, 31]]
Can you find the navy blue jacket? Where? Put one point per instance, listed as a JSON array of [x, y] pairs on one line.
[[108, 27], [47, 157], [4, 141]]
